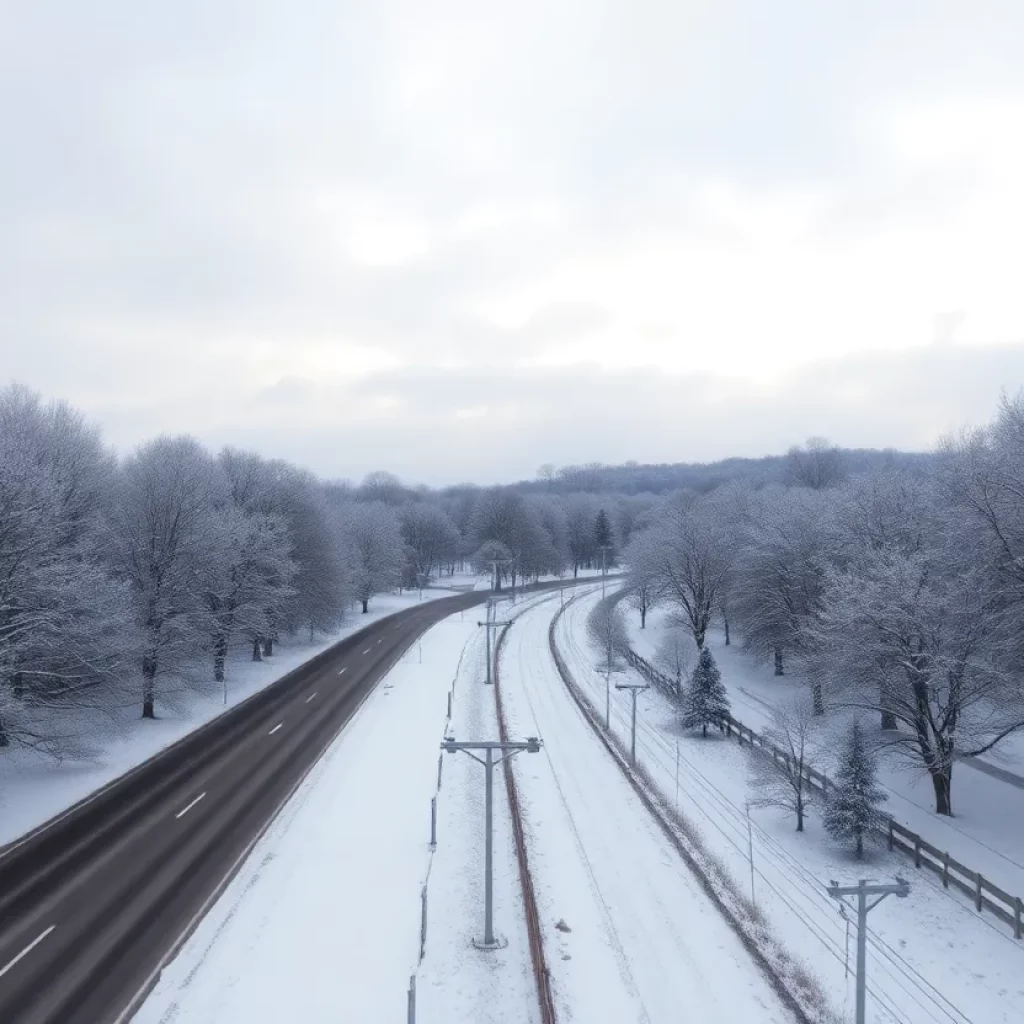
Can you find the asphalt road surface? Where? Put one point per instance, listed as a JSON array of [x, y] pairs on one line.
[[91, 903]]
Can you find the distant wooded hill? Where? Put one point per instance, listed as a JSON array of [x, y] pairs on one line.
[[818, 464]]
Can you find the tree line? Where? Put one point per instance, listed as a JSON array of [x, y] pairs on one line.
[[123, 580], [896, 593]]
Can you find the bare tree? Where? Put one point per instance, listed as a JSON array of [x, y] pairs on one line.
[[788, 541], [642, 574], [677, 653], [430, 534], [607, 631], [163, 540], [913, 636], [818, 465], [694, 561], [782, 781], [375, 536]]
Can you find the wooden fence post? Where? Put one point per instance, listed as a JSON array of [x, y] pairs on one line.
[[917, 851], [1018, 912], [890, 833], [945, 870], [977, 896]]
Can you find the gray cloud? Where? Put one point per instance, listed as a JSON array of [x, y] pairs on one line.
[[200, 203]]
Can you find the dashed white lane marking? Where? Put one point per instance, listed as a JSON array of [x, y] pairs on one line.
[[343, 671], [367, 651], [310, 697], [182, 813], [381, 640], [276, 727], [28, 949]]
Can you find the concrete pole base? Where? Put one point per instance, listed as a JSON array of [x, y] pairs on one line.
[[500, 942]]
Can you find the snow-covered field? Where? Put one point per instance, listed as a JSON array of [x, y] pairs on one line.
[[642, 942], [931, 957], [34, 788], [987, 832]]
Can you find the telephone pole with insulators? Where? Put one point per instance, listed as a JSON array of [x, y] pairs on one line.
[[862, 890], [634, 689]]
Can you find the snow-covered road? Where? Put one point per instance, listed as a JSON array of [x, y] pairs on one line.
[[642, 942]]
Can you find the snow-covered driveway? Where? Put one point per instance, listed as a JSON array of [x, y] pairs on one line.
[[645, 944]]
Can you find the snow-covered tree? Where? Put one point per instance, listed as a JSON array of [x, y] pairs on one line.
[[818, 465], [375, 536], [247, 579], [676, 653], [580, 514], [642, 573], [852, 805], [607, 631], [163, 540], [491, 555], [779, 575], [694, 560], [782, 781], [705, 701], [430, 534], [604, 540]]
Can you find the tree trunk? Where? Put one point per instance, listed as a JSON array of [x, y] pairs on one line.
[[799, 813], [860, 846], [18, 683], [257, 653], [942, 781], [268, 647], [148, 687], [220, 653], [725, 619], [366, 605], [698, 639], [888, 720], [575, 570], [779, 669], [643, 617], [5, 739], [818, 698], [704, 730]]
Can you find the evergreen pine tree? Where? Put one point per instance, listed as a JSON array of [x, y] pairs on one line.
[[706, 702], [603, 533], [851, 808]]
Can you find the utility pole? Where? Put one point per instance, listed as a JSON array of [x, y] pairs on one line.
[[532, 745], [634, 689], [862, 890], [490, 624]]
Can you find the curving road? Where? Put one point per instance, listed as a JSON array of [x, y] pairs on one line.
[[92, 903]]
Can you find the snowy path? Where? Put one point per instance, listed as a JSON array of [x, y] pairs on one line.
[[645, 943]]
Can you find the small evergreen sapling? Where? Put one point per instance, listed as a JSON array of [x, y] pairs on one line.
[[851, 810], [706, 702]]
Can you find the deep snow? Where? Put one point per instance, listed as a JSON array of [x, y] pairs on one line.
[[931, 957], [644, 943]]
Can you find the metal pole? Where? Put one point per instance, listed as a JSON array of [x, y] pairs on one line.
[[750, 853], [433, 822], [488, 890], [608, 700], [604, 567], [862, 948], [632, 746], [487, 630], [677, 776], [412, 1000]]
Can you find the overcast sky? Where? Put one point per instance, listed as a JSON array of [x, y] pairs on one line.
[[458, 238]]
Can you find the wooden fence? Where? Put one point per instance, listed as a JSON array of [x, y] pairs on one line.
[[986, 896]]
